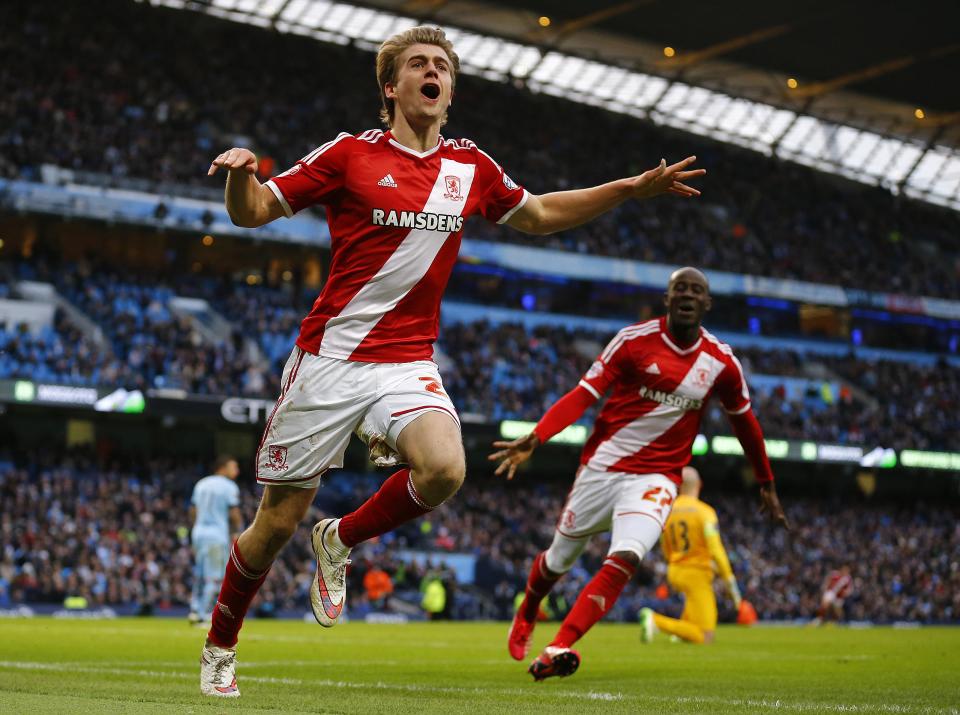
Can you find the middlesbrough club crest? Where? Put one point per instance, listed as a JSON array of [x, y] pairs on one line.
[[277, 457], [452, 184]]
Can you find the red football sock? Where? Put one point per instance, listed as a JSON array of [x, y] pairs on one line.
[[594, 601], [538, 586], [394, 503], [240, 585]]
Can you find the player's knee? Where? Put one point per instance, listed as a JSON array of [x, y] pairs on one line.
[[628, 556], [708, 636], [632, 550], [556, 564], [275, 529], [445, 481], [440, 476], [561, 556]]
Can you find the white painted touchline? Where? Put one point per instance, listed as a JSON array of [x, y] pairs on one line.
[[539, 693], [378, 685]]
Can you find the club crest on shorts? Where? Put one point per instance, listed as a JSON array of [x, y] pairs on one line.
[[277, 457], [568, 519], [452, 184]]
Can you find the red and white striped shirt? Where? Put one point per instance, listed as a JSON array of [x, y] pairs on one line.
[[396, 217], [839, 584], [659, 393]]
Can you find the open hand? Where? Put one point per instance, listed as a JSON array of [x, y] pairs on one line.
[[770, 505], [667, 179], [513, 454], [233, 160]]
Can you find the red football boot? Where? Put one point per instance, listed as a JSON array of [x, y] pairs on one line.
[[518, 640]]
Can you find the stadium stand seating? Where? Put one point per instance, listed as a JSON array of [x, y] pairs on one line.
[[157, 123], [118, 535], [495, 370]]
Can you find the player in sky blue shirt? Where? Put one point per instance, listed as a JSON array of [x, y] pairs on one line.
[[215, 514]]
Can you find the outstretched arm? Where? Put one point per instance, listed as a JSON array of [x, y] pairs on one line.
[[560, 210], [564, 412], [748, 431], [249, 203]]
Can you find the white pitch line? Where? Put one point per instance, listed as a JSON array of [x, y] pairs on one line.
[[540, 693], [377, 685], [246, 636], [243, 664]]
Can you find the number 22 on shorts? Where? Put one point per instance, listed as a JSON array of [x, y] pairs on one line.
[[651, 495]]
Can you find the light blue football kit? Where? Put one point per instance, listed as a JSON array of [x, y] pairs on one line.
[[213, 497]]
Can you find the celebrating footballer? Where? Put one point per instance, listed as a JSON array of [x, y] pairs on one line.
[[396, 201], [662, 373]]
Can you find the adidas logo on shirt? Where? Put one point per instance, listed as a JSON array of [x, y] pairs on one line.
[[653, 369], [387, 182]]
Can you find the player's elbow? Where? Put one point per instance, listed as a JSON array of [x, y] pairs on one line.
[[244, 220], [533, 219], [542, 224], [531, 226], [249, 214], [237, 218]]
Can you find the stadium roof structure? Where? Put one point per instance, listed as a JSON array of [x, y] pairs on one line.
[[773, 77], [906, 52]]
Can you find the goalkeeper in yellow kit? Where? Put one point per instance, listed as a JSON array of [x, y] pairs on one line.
[[692, 546]]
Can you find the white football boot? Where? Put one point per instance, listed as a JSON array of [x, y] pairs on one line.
[[329, 589], [218, 672]]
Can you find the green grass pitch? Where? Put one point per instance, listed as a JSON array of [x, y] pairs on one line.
[[150, 666]]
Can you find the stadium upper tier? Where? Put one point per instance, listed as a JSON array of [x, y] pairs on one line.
[[157, 102], [117, 534]]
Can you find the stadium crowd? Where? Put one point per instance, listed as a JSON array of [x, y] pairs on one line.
[[529, 369], [493, 371], [148, 344], [58, 352], [145, 113], [117, 535], [908, 407], [156, 347]]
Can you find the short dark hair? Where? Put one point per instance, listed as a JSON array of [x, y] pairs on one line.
[[222, 460]]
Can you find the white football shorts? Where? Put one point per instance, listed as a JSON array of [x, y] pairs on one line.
[[324, 400], [634, 507], [832, 598]]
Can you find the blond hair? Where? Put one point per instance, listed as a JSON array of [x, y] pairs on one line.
[[390, 51]]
